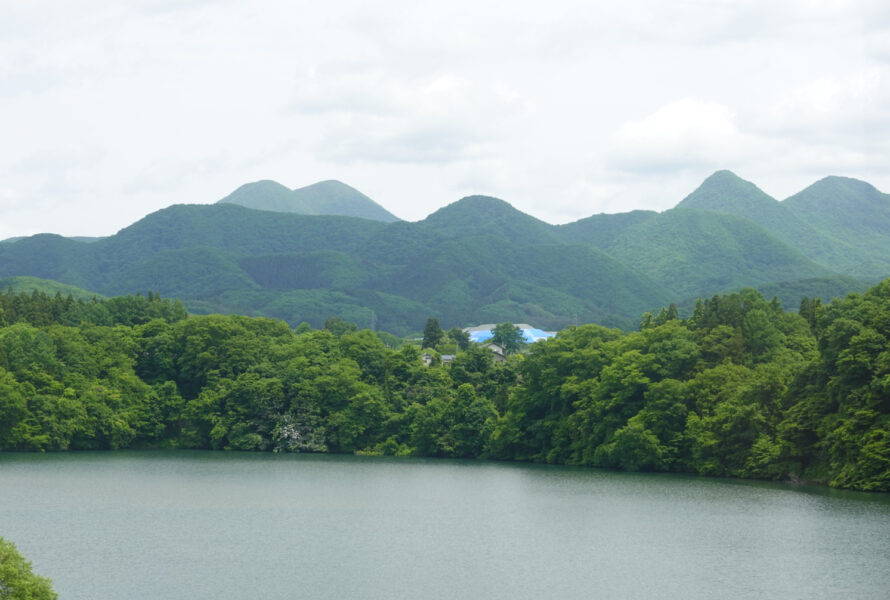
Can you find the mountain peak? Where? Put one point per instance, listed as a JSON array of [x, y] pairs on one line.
[[835, 185], [479, 202], [476, 209], [848, 206], [724, 191], [332, 186], [723, 175], [482, 215], [329, 197]]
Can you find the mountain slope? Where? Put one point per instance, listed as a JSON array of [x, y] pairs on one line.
[[603, 230], [322, 198], [50, 256], [462, 278], [692, 252], [234, 229]]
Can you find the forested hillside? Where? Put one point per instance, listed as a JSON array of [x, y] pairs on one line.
[[695, 252], [478, 259], [739, 389]]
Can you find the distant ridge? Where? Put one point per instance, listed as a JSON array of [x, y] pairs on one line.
[[26, 284], [322, 198], [76, 238], [478, 259]]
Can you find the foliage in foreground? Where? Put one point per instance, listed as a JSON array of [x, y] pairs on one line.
[[739, 389], [17, 581]]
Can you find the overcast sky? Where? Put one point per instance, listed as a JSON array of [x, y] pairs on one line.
[[112, 110]]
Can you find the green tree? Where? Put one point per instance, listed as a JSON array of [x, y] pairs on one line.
[[508, 336], [432, 333], [460, 337], [338, 326], [17, 581]]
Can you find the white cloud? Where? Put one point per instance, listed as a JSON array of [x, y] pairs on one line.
[[832, 110], [109, 111], [689, 133], [441, 119]]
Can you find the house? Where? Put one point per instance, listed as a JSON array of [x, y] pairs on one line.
[[498, 354], [428, 359]]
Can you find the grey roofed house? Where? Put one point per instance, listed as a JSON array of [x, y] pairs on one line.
[[498, 352]]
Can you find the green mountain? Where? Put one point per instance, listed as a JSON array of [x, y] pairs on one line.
[[854, 213], [838, 222], [476, 260], [322, 198], [50, 256]]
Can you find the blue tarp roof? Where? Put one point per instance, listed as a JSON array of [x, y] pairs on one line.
[[530, 335]]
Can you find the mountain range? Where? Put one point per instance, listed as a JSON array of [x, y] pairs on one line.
[[265, 250]]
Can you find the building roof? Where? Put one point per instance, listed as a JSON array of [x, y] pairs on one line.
[[482, 333]]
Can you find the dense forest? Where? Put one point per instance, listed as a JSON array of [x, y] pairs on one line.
[[741, 388]]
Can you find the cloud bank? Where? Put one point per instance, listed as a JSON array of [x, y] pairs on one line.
[[110, 111]]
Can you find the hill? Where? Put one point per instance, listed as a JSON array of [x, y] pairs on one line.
[[322, 198]]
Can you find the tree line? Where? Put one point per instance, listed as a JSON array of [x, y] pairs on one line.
[[740, 388]]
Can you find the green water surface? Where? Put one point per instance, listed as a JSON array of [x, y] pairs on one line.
[[193, 525]]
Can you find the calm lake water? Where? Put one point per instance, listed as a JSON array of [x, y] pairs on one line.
[[194, 525]]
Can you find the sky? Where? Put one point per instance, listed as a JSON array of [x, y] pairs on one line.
[[112, 110]]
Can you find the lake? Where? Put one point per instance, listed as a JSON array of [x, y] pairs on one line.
[[194, 525]]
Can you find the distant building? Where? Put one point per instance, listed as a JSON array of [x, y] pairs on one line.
[[446, 359], [498, 354]]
